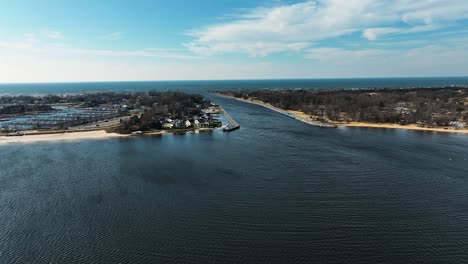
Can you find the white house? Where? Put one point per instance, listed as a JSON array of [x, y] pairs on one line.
[[168, 125], [187, 123], [196, 123]]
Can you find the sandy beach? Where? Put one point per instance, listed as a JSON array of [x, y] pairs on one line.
[[98, 134], [77, 135], [301, 116], [406, 127]]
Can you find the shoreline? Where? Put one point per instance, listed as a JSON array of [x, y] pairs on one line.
[[80, 135], [301, 116], [413, 127]]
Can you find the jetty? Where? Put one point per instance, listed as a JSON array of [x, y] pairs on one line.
[[233, 125], [293, 116]]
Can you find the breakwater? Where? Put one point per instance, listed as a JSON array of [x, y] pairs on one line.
[[233, 125]]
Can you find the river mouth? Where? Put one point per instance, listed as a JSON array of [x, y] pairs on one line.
[[296, 192]]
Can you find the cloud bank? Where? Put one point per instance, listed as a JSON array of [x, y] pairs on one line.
[[295, 27]]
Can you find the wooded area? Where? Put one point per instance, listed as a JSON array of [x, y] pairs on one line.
[[23, 109], [445, 106], [161, 107]]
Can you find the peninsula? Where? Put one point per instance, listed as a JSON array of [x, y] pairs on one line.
[[443, 109], [94, 115]]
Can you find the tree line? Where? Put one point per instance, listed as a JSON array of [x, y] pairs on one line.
[[23, 109]]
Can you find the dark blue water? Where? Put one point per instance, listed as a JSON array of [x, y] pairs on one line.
[[197, 86], [275, 191]]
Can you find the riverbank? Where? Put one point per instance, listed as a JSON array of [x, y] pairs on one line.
[[303, 117], [405, 127], [94, 134]]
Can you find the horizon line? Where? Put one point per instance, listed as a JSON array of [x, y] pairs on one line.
[[215, 80]]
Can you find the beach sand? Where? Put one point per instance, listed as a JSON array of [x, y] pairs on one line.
[[391, 126], [77, 135], [307, 116], [406, 127], [99, 134]]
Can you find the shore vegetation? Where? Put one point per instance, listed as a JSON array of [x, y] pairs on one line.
[[444, 108]]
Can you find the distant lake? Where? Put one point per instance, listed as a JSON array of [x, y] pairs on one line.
[[274, 191]]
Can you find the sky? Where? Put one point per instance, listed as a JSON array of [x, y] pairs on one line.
[[139, 40]]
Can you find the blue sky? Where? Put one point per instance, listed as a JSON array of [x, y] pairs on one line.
[[55, 40]]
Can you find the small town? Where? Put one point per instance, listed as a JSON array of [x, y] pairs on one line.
[[122, 113]]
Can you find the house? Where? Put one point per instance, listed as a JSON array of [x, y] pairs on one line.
[[196, 123], [168, 125], [457, 124], [187, 123], [179, 124], [136, 133]]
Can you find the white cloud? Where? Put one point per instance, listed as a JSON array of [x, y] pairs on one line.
[[52, 34], [374, 33], [113, 36], [44, 69], [148, 53], [29, 44], [431, 60], [292, 27], [252, 49]]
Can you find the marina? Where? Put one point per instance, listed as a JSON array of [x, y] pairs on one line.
[[62, 117]]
